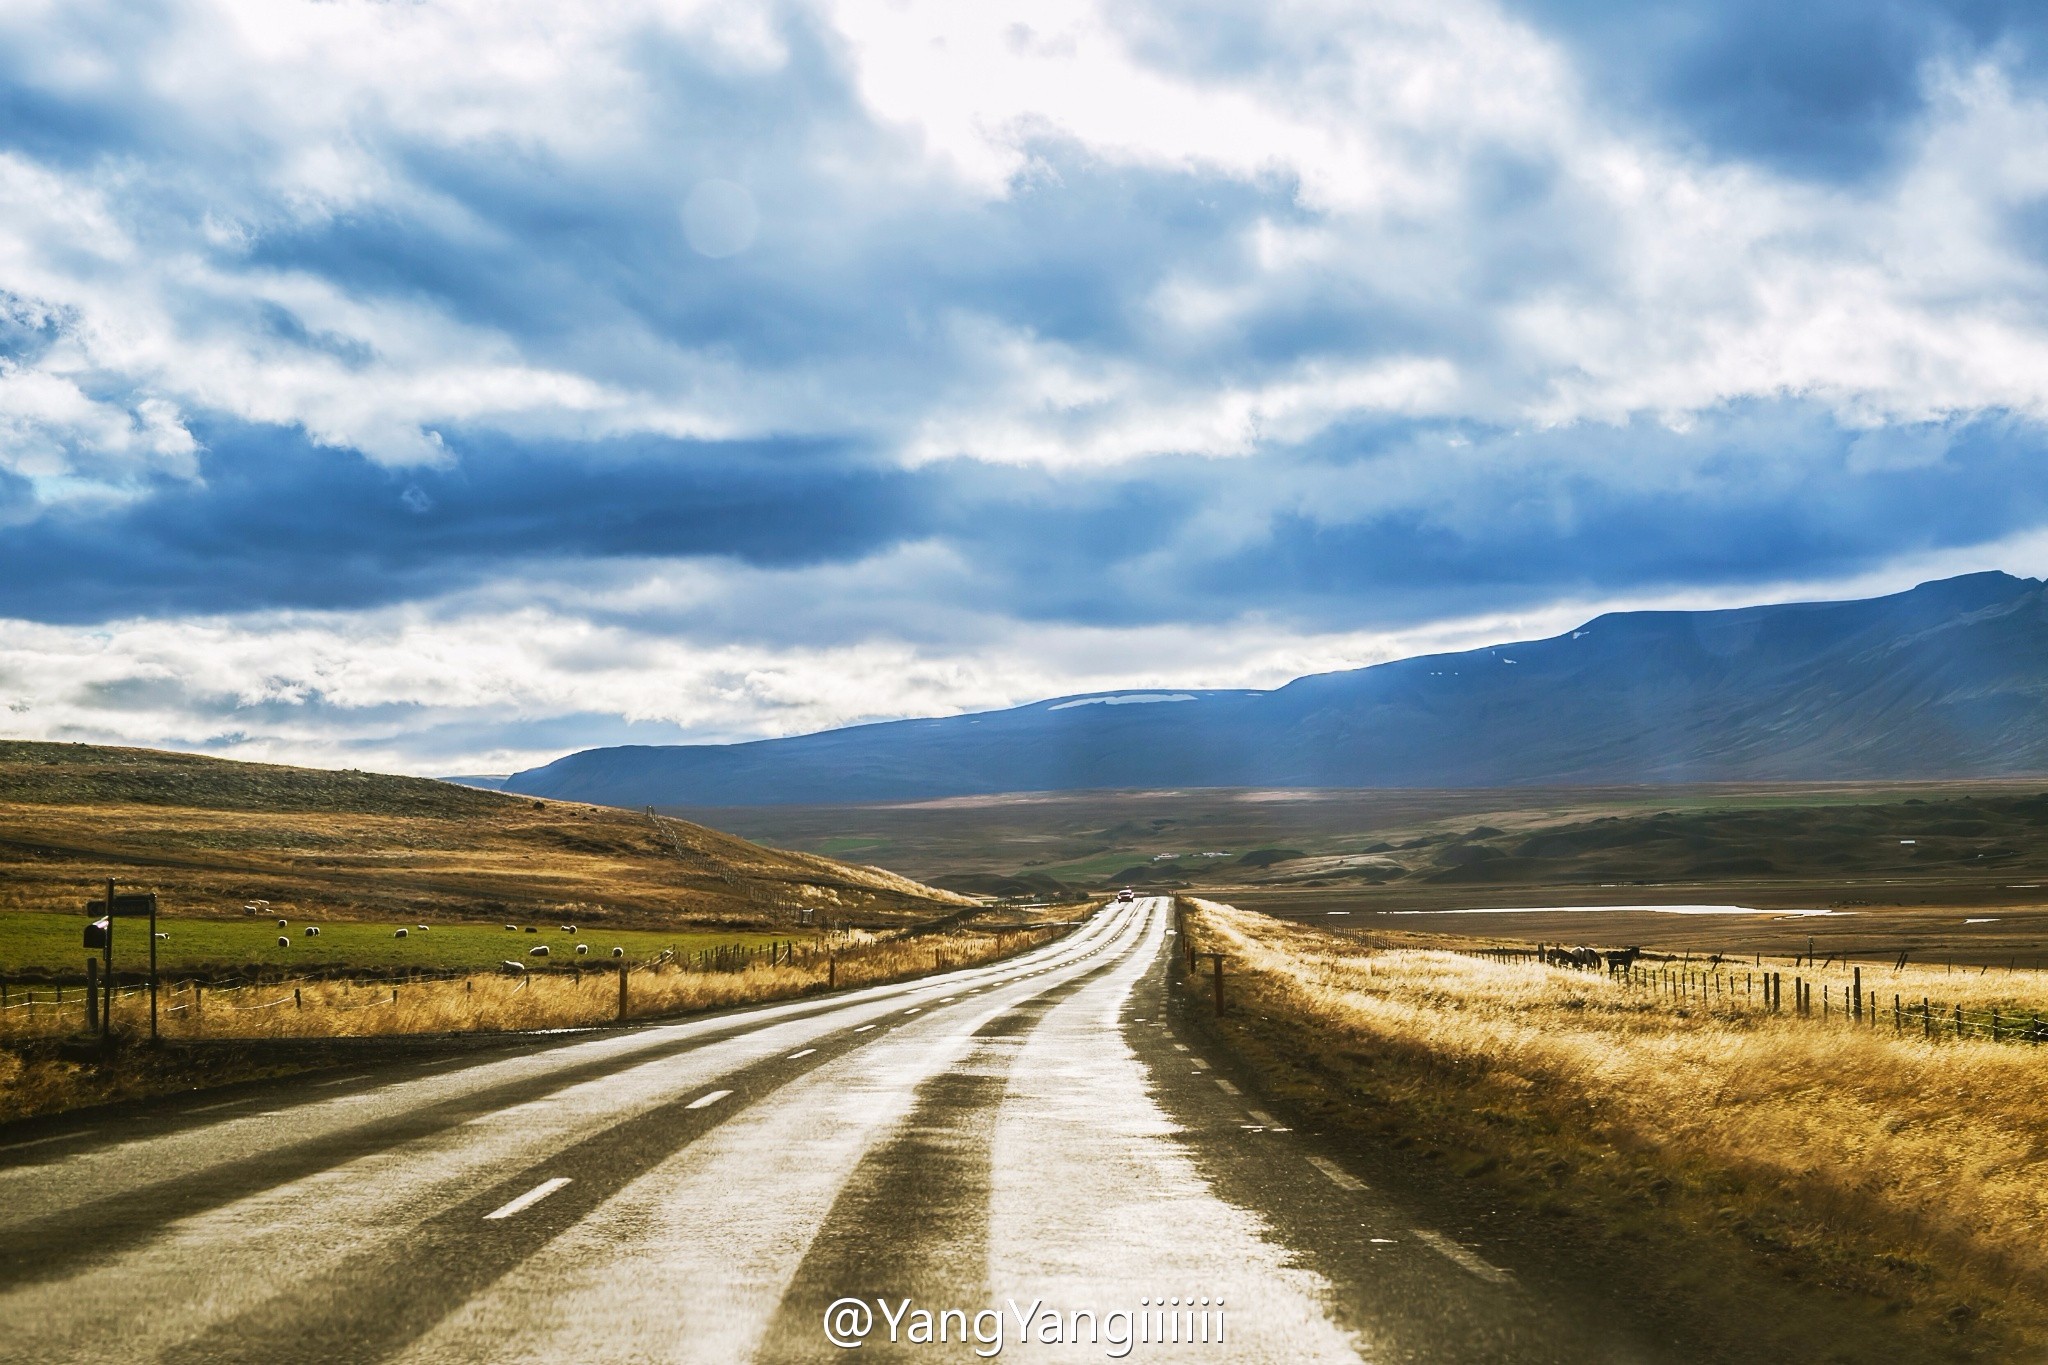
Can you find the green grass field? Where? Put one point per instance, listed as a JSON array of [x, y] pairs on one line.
[[41, 942]]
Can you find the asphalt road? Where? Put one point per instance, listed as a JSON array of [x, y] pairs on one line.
[[1030, 1133]]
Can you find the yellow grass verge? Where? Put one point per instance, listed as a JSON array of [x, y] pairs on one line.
[[31, 1081], [1906, 1182]]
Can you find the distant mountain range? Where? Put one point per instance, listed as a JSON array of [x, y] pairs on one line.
[[1944, 681]]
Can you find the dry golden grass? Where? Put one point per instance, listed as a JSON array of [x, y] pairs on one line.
[[35, 1080], [485, 1002], [1912, 1173]]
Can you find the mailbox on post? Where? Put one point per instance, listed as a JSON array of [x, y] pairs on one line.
[[100, 934]]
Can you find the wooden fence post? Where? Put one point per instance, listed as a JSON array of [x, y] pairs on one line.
[[1858, 993]]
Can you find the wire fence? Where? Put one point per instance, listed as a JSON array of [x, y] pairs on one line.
[[1720, 986]]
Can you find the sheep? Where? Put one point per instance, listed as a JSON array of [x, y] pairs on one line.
[[582, 950], [541, 951], [568, 928], [399, 934], [514, 968], [312, 931], [163, 935], [284, 924], [284, 943], [512, 928], [531, 930], [618, 952], [419, 926]]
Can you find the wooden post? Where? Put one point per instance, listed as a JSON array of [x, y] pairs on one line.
[[623, 971], [1858, 993], [92, 994], [831, 971], [1219, 983], [299, 1004], [107, 969], [1927, 1017]]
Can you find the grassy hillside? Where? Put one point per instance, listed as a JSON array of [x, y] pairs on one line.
[[211, 836]]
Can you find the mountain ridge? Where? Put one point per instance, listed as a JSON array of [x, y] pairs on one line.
[[1944, 680]]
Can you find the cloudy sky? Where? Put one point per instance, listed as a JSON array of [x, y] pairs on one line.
[[444, 386]]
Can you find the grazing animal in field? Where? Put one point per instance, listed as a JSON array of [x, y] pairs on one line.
[[1582, 957], [512, 928], [568, 928], [284, 943], [541, 951], [1622, 959], [582, 949], [163, 935], [514, 968], [420, 926], [618, 952], [312, 931], [398, 933], [531, 930], [283, 923]]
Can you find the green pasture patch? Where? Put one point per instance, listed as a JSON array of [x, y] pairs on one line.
[[42, 942]]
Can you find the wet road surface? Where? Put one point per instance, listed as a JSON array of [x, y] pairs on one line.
[[1027, 1145]]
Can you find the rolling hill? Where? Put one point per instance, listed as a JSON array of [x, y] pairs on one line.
[[211, 835], [1944, 681]]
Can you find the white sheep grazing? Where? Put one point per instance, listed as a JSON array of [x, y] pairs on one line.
[[568, 928], [419, 926], [513, 927], [582, 949], [541, 951], [312, 931], [284, 943], [399, 934], [514, 968], [283, 923], [618, 952], [163, 935]]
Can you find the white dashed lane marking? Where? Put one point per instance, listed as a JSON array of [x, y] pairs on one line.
[[1461, 1257], [527, 1200], [1228, 1088], [805, 1053], [1339, 1177], [702, 1101]]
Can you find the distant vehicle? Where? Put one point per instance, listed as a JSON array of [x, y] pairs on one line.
[[1127, 894]]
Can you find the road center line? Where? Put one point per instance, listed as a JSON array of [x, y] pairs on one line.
[[1228, 1088], [529, 1199], [805, 1053], [704, 1101], [863, 1028], [1339, 1177], [1462, 1258]]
